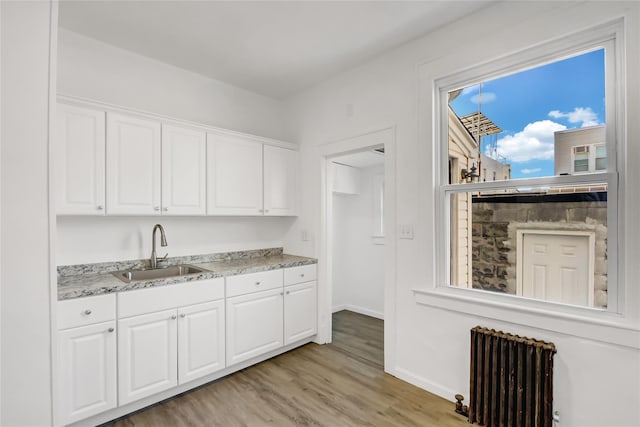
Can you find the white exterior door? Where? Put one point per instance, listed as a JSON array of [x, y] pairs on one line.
[[200, 340], [147, 355], [184, 174], [133, 165], [280, 180], [254, 325], [557, 266], [79, 150], [300, 304], [87, 371], [234, 176]]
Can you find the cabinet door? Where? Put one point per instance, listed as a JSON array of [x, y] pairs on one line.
[[87, 371], [79, 161], [147, 355], [133, 165], [234, 176], [300, 305], [254, 325], [184, 175], [280, 180], [200, 340]]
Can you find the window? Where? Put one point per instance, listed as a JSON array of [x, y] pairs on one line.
[[529, 206], [581, 159], [601, 157]]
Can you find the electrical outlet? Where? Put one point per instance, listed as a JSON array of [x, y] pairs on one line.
[[304, 235], [406, 231]]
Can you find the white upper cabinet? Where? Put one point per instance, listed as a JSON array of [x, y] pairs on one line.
[[246, 177], [184, 171], [133, 165], [234, 179], [280, 178], [79, 161], [120, 163]]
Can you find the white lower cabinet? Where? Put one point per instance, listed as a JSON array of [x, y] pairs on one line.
[[300, 320], [87, 371], [254, 324], [171, 335], [147, 355], [200, 340]]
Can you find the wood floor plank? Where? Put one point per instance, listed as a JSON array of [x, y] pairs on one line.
[[341, 384]]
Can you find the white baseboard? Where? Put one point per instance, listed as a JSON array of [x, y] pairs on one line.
[[357, 309], [423, 383]]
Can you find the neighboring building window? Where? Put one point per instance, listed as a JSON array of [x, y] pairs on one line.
[[545, 229], [601, 157], [581, 159]]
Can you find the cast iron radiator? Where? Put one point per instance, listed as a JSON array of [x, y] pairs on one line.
[[511, 380]]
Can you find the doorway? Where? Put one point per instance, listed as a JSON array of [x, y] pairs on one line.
[[357, 245], [358, 232]]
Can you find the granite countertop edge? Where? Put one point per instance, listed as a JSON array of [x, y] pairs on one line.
[[93, 284]]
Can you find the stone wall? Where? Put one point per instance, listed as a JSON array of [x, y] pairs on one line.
[[496, 222]]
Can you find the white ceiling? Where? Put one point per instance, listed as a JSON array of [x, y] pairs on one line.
[[276, 48], [362, 159]]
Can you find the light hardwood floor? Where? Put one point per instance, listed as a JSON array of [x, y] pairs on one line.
[[341, 384]]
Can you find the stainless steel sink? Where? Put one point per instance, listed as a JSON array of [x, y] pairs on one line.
[[157, 273]]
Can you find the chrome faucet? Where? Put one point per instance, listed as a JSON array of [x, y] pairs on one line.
[[163, 242]]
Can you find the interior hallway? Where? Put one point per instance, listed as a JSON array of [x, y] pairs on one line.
[[340, 384]]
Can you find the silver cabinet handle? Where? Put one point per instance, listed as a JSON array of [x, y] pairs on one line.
[[266, 211], [260, 210], [165, 209], [87, 312], [156, 208], [110, 330], [281, 293], [100, 207], [174, 317], [183, 315], [288, 292], [302, 275], [257, 283]]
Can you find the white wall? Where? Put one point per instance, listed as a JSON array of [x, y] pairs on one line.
[[358, 263], [597, 383], [89, 239], [24, 242], [92, 69]]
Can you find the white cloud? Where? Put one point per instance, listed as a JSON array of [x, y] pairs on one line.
[[527, 171], [586, 116], [534, 142], [469, 89], [485, 97]]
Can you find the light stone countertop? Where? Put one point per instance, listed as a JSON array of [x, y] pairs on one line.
[[97, 279]]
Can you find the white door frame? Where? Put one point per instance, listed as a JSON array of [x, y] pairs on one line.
[[520, 260], [384, 136]]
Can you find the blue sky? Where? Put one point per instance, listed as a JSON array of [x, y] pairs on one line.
[[530, 105]]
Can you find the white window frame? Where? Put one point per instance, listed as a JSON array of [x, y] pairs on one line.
[[608, 36]]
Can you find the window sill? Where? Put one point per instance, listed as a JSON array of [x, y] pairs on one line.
[[576, 321]]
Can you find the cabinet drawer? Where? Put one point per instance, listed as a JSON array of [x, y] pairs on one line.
[[148, 300], [253, 282], [86, 311], [301, 274]]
